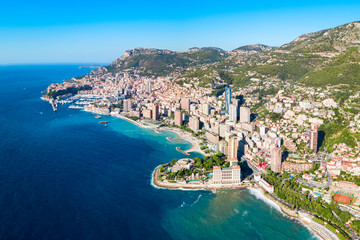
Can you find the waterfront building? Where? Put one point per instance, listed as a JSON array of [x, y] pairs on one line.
[[276, 154], [206, 109], [194, 124], [231, 175], [185, 104], [314, 136], [266, 186], [147, 113], [233, 112], [227, 98], [127, 105], [178, 118], [155, 111], [184, 163], [244, 114], [233, 149]]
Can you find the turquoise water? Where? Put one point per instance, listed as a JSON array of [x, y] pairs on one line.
[[64, 176]]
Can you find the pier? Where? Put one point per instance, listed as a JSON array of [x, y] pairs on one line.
[[178, 148], [54, 105]]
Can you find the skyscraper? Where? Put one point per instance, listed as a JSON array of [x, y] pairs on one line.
[[185, 104], [127, 106], [276, 154], [244, 114], [178, 118], [233, 149], [206, 109], [233, 112], [227, 98], [155, 111], [194, 124], [314, 136]]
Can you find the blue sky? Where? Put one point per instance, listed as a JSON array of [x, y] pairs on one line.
[[100, 31]]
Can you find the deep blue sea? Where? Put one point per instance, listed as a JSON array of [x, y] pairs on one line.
[[64, 176]]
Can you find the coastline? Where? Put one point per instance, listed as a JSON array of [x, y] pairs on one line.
[[206, 187], [188, 187], [195, 143]]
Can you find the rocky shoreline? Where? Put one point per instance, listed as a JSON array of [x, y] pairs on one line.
[[207, 187]]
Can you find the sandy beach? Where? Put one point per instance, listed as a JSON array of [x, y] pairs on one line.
[[195, 143]]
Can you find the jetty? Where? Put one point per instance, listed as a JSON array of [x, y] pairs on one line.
[[178, 148], [169, 139], [54, 105]]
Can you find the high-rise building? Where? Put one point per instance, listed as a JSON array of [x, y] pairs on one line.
[[155, 111], [314, 136], [244, 114], [178, 118], [148, 86], [277, 141], [194, 124], [276, 155], [233, 112], [227, 98], [127, 106], [185, 104], [147, 113], [233, 149], [206, 109], [262, 130]]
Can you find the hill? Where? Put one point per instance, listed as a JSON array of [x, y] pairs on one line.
[[155, 62], [337, 39]]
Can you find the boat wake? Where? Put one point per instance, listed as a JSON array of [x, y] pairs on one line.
[[196, 201]]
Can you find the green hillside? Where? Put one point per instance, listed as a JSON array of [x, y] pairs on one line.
[[344, 69]]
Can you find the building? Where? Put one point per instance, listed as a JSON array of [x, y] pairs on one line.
[[178, 118], [155, 111], [314, 136], [244, 114], [233, 149], [147, 113], [233, 113], [148, 86], [211, 137], [206, 109], [194, 124], [266, 186], [127, 106], [184, 163], [185, 104], [262, 130], [276, 154], [227, 98], [231, 175], [223, 147]]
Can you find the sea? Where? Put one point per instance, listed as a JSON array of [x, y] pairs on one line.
[[65, 176]]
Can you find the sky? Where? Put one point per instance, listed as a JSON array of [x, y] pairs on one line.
[[46, 32]]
